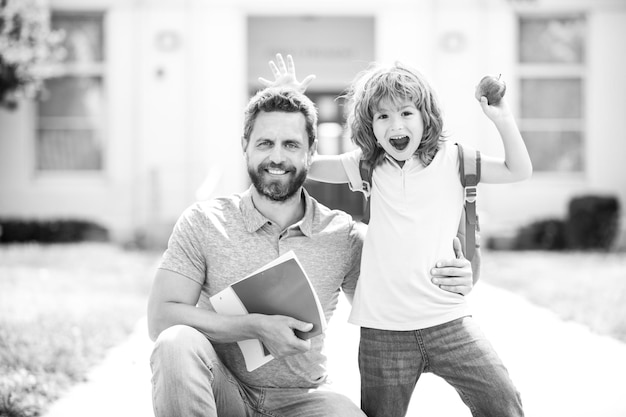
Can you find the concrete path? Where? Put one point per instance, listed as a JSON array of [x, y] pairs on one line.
[[561, 369]]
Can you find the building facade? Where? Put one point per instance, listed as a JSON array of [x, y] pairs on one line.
[[145, 114]]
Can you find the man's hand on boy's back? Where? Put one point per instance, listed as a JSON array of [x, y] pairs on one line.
[[454, 275]]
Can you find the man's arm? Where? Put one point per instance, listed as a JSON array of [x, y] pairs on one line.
[[172, 301], [455, 275]]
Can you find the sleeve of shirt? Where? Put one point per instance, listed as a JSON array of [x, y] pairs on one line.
[[184, 249], [357, 235], [350, 161]]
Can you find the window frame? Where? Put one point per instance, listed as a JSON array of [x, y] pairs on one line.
[[97, 69], [560, 71]]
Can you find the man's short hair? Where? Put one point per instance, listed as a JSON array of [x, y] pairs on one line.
[[287, 100]]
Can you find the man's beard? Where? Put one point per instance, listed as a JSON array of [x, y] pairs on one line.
[[276, 190]]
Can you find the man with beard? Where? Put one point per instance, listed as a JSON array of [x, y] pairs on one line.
[[197, 367]]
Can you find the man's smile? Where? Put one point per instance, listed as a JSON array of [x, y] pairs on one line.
[[276, 171]]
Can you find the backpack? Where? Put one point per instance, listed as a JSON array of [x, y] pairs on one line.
[[469, 174]]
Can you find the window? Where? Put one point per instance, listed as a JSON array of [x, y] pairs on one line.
[[70, 115], [552, 71]]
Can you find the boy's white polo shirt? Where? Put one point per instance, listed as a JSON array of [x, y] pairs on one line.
[[415, 214]]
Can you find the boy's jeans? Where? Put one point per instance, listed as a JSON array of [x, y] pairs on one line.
[[391, 362], [188, 379]]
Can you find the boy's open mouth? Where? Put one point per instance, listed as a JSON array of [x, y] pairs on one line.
[[399, 142]]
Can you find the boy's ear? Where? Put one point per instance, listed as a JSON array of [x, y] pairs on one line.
[[244, 143]]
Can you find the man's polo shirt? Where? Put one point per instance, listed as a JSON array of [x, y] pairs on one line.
[[217, 242]]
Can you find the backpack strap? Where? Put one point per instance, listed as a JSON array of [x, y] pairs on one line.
[[469, 172], [366, 177]]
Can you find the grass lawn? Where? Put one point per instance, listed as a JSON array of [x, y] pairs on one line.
[[585, 287], [61, 308]]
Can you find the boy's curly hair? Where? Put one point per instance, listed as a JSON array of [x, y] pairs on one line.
[[395, 84]]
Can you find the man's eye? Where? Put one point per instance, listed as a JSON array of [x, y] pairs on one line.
[[291, 145]]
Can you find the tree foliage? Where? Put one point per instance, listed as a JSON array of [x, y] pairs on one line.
[[26, 44]]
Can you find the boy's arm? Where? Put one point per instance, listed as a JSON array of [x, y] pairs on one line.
[[516, 165], [328, 168]]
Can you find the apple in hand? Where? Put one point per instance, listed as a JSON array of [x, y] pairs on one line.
[[491, 87]]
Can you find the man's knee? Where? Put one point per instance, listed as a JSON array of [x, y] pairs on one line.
[[181, 362], [178, 337], [180, 346]]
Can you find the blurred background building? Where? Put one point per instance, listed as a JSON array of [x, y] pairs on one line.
[[144, 115]]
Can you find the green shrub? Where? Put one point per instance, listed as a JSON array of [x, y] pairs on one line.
[[592, 222], [50, 231], [546, 234]]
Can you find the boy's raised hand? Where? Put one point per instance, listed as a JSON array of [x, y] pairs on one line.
[[285, 75], [495, 112]]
